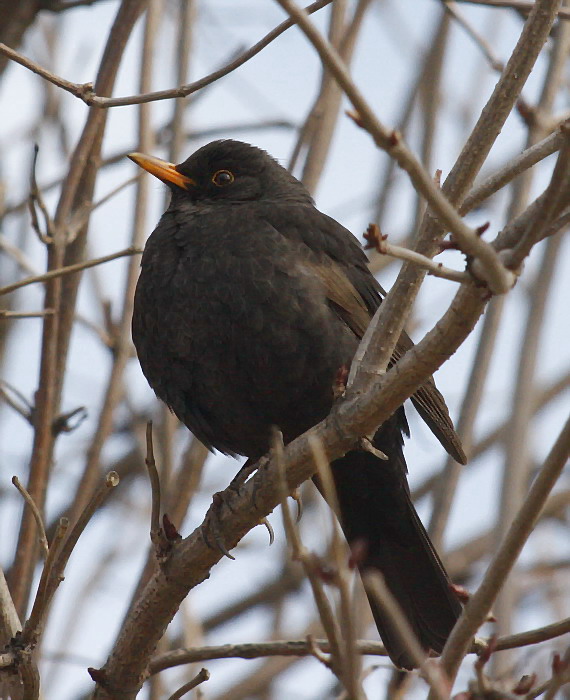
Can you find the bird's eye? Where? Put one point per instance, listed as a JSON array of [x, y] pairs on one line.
[[222, 178]]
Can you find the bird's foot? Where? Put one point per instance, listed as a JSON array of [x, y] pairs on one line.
[[243, 475], [366, 444], [212, 526]]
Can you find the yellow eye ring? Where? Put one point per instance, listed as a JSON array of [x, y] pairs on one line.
[[221, 178]]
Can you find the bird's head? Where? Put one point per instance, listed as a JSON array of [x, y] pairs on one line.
[[227, 170]]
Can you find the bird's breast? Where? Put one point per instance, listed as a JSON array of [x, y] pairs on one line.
[[236, 335]]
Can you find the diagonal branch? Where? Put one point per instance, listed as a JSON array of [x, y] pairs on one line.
[[480, 603], [86, 92]]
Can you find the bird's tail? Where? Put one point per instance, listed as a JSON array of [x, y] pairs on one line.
[[376, 511]]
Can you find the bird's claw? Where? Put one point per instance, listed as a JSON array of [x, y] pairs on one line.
[[213, 524], [296, 496], [270, 530], [365, 443]]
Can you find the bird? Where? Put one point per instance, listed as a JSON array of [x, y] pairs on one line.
[[249, 303]]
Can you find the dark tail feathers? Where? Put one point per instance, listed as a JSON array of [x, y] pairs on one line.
[[376, 509]]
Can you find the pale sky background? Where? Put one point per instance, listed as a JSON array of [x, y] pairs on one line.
[[280, 83]]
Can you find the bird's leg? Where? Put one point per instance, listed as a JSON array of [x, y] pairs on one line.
[[340, 380], [243, 475]]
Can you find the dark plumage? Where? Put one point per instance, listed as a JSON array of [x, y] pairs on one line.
[[249, 302]]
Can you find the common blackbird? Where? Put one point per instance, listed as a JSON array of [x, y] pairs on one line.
[[249, 302]]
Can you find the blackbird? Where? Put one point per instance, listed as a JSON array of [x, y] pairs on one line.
[[249, 302]]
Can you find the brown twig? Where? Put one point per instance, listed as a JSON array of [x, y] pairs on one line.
[[70, 269], [310, 565], [529, 157], [9, 621], [13, 315], [517, 467], [36, 513], [428, 74], [480, 602], [121, 332], [300, 647], [447, 480], [342, 575], [59, 553], [154, 479], [495, 275], [434, 268], [480, 41], [36, 198], [323, 116], [497, 435], [435, 677], [200, 677], [524, 5], [93, 96], [540, 216]]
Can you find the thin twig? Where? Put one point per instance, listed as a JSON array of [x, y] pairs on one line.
[[13, 315], [82, 214], [82, 91], [300, 647], [155, 528], [122, 345], [529, 157], [200, 677], [309, 563], [498, 278], [86, 93], [546, 209], [10, 623], [24, 408], [36, 513], [448, 479], [376, 587], [18, 256], [33, 626], [518, 463], [37, 198], [481, 601], [479, 40], [70, 269], [55, 564], [434, 268], [524, 5], [349, 659]]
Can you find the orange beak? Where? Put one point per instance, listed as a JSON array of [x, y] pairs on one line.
[[163, 170]]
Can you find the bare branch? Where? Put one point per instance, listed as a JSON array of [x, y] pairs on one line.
[[86, 93], [154, 482], [496, 276], [300, 647], [381, 245], [70, 269], [36, 513], [529, 157], [523, 5], [480, 603]]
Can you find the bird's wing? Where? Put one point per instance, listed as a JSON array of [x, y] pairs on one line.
[[430, 404], [342, 295], [336, 257], [355, 295]]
